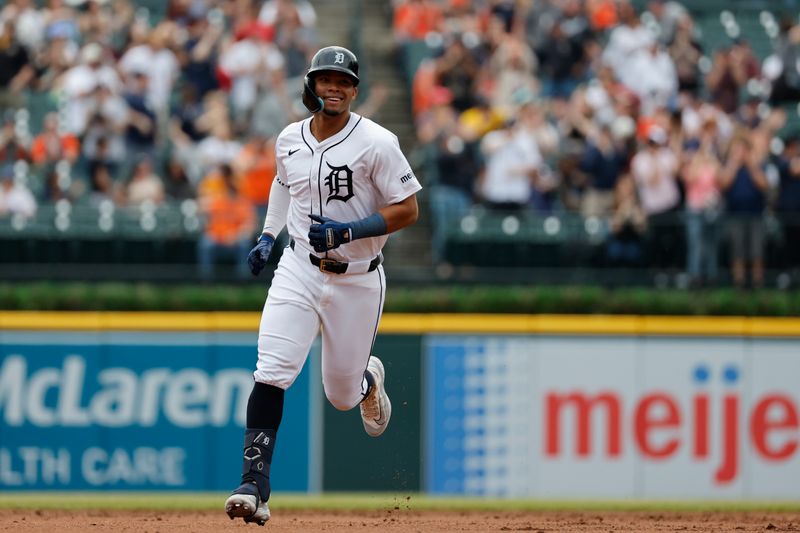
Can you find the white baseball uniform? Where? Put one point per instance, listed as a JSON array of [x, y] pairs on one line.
[[346, 177]]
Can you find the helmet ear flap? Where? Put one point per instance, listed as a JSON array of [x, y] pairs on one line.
[[310, 99]]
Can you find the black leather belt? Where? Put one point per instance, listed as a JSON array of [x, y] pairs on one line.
[[332, 266]]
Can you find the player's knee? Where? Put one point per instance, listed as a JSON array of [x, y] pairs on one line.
[[339, 403], [342, 398], [343, 390]]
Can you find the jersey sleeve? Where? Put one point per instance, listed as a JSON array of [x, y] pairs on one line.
[[392, 172]]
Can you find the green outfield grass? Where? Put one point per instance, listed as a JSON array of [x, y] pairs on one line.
[[359, 502]]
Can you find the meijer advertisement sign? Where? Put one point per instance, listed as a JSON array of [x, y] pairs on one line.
[[650, 417]]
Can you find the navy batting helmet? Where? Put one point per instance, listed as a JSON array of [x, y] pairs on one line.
[[334, 58]]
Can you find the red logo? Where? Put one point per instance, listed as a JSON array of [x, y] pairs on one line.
[[772, 424]]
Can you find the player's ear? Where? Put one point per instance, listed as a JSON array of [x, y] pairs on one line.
[[355, 92]]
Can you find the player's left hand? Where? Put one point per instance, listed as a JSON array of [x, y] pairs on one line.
[[328, 234]]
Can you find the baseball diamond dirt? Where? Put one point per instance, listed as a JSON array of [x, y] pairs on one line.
[[398, 520]]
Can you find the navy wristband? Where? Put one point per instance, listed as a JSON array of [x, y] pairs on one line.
[[372, 226]]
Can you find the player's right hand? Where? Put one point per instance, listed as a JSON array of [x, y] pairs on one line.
[[257, 258]]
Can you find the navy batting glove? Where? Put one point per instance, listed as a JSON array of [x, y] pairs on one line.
[[328, 234], [257, 258]]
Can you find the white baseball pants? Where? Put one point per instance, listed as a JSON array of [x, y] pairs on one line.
[[301, 301]]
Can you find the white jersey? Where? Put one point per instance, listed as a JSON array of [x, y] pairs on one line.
[[346, 177]]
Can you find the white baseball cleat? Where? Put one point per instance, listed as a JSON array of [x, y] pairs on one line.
[[376, 409], [243, 503]]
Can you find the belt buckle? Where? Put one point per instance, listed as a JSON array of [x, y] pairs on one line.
[[325, 264]]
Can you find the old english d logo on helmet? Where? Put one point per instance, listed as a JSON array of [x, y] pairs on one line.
[[334, 58]]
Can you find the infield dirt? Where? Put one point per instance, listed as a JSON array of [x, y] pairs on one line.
[[56, 521]]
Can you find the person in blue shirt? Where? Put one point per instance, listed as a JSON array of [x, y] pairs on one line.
[[744, 185]]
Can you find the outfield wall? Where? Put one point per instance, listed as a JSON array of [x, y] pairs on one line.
[[539, 406]]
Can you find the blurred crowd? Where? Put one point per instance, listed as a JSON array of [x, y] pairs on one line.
[[181, 101], [595, 108]]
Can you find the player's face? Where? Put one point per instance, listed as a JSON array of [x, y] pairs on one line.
[[337, 90]]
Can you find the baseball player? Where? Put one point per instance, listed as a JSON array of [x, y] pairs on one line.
[[342, 186]]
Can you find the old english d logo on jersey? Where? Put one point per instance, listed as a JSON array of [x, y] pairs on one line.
[[339, 183]]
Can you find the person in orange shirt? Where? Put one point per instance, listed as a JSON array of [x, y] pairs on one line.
[[414, 19], [230, 223], [51, 146], [255, 167]]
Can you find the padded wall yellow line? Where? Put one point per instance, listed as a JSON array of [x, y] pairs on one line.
[[412, 324]]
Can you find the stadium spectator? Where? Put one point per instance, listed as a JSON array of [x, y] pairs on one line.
[[29, 22], [786, 80], [250, 63], [144, 186], [102, 186], [156, 60], [86, 86], [107, 119], [561, 56], [650, 73], [512, 67], [535, 115], [185, 125], [627, 226], [200, 52], [142, 127], [55, 189], [603, 162], [415, 19], [53, 59], [704, 206], [219, 147], [744, 184], [297, 42], [654, 169], [13, 146], [514, 176], [457, 69], [15, 198], [686, 52], [255, 167], [52, 146], [482, 118], [16, 72], [788, 204], [728, 74], [625, 40], [230, 223], [177, 185]]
